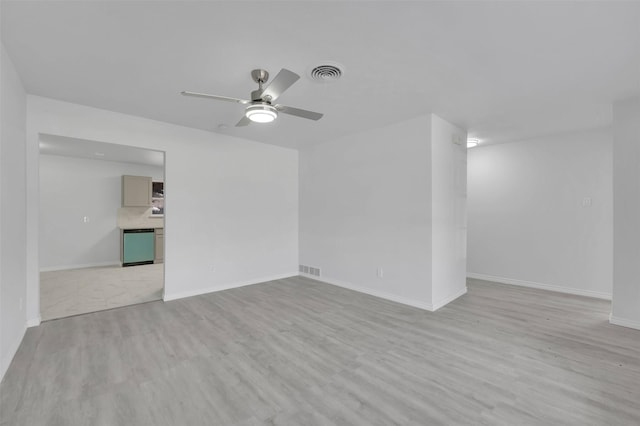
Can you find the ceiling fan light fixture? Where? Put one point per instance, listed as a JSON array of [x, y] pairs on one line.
[[261, 113]]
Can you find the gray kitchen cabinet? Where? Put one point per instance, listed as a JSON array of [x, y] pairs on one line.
[[159, 246], [136, 191]]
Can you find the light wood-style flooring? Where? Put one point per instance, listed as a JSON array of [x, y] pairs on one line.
[[78, 291], [300, 352]]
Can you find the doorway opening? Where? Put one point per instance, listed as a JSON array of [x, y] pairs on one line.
[[82, 220]]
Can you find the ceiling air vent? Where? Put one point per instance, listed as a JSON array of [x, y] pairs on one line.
[[327, 72]]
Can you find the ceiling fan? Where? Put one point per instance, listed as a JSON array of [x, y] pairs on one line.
[[260, 108]]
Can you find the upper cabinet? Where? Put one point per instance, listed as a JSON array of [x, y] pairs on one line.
[[136, 191]]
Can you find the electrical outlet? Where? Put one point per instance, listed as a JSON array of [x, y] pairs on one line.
[[380, 272], [85, 219]]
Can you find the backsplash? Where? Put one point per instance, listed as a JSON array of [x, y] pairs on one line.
[[138, 217]]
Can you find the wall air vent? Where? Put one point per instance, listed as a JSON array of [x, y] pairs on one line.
[[326, 72], [309, 270]]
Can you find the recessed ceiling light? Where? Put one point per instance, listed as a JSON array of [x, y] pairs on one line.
[[471, 142]]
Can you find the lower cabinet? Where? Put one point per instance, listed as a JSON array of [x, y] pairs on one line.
[[159, 258]]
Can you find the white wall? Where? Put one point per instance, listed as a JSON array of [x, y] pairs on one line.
[[233, 212], [527, 223], [448, 207], [626, 210], [74, 188], [12, 211], [366, 205]]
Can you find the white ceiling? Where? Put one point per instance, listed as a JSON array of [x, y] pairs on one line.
[[83, 148], [504, 70]]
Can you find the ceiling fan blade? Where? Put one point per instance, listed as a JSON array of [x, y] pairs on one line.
[[279, 84], [244, 121], [299, 112], [219, 98]]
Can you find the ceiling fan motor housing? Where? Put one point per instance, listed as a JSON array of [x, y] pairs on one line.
[[256, 95]]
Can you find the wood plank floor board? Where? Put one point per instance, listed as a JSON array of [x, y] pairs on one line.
[[300, 352]]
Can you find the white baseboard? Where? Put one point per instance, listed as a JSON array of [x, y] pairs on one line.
[[384, 295], [541, 286], [624, 322], [80, 266], [182, 295], [34, 322], [449, 299], [6, 358]]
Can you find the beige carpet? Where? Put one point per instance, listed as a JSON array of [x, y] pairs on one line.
[[78, 291]]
